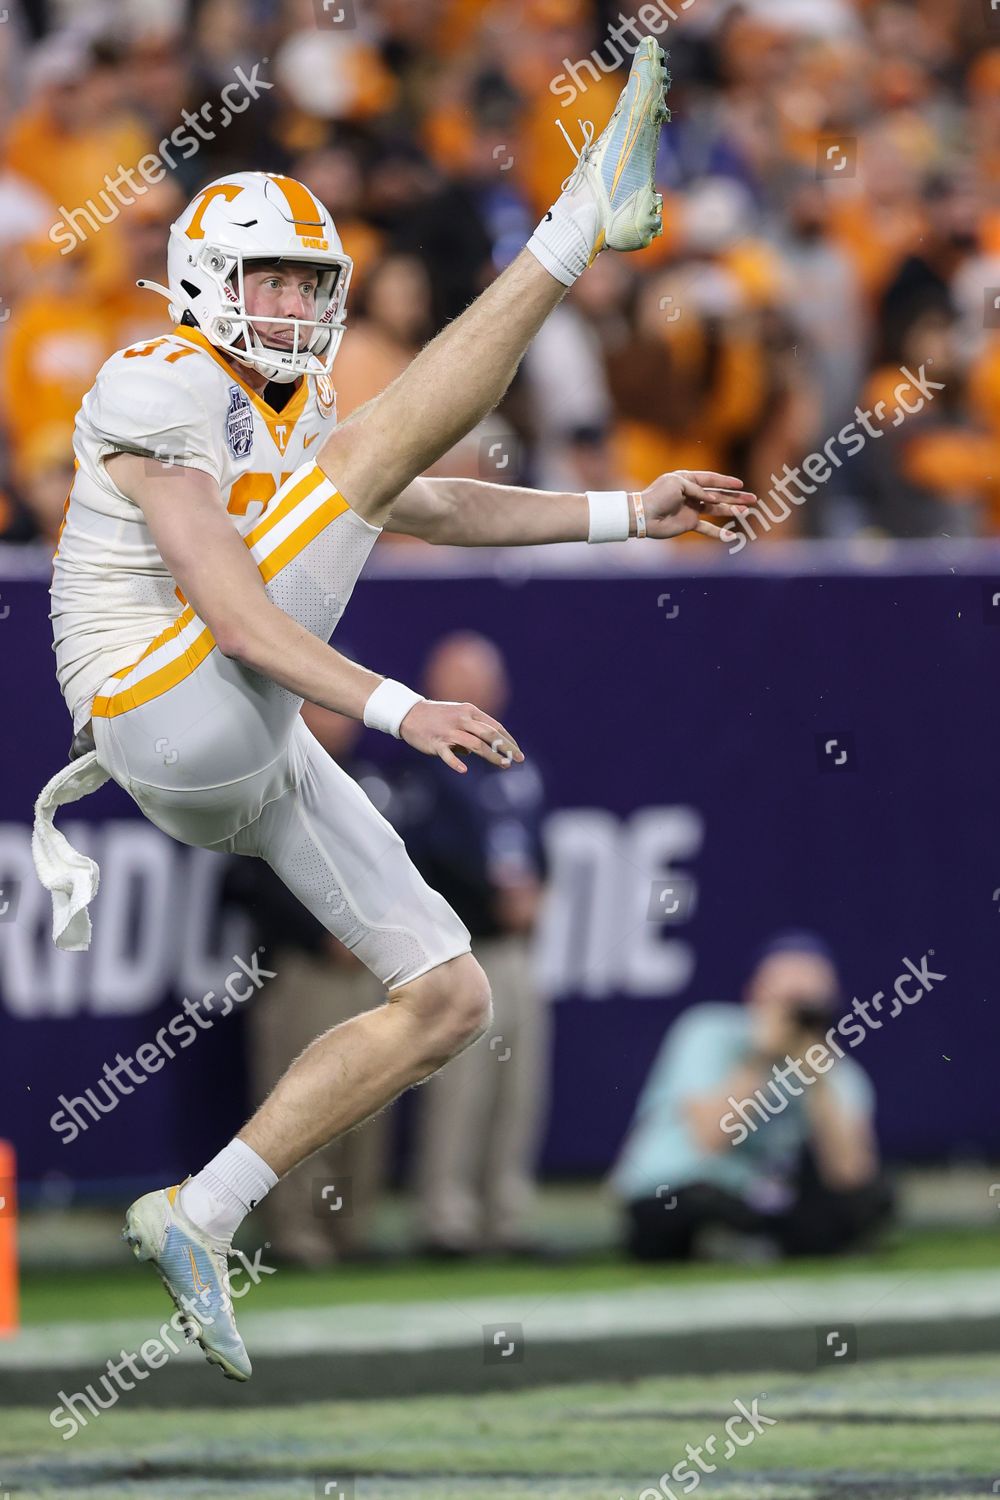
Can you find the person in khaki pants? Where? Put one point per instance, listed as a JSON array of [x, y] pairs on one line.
[[323, 1210], [478, 841]]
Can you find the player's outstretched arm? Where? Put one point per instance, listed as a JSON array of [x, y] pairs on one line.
[[472, 513], [213, 568]]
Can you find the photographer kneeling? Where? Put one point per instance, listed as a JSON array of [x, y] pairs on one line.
[[735, 1132]]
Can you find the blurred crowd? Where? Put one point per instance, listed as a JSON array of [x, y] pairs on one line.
[[832, 208]]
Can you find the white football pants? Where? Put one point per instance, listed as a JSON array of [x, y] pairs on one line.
[[217, 755]]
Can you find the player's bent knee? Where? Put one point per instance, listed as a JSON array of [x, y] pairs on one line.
[[453, 1004], [472, 1005], [465, 1005]]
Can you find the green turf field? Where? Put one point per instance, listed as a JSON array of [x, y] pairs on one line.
[[909, 1430], [129, 1290]]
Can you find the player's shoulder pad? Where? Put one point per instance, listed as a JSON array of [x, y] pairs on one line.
[[158, 397]]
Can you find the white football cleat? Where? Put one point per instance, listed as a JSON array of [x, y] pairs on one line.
[[611, 193], [194, 1268]]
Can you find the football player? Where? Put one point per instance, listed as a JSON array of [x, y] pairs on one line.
[[216, 527]]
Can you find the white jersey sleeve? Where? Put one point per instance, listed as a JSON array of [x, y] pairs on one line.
[[175, 400], [111, 590], [154, 408]]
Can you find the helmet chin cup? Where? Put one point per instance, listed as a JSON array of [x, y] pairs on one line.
[[279, 374]]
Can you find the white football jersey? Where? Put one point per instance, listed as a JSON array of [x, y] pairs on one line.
[[176, 400]]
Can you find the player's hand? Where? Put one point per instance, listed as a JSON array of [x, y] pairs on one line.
[[690, 499], [453, 729]]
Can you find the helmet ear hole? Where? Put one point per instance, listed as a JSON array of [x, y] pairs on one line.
[[190, 288]]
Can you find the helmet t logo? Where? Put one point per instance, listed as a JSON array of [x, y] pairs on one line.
[[227, 190]]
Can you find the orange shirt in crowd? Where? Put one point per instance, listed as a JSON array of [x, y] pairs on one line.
[[70, 170], [877, 240], [53, 350], [367, 362], [958, 464]]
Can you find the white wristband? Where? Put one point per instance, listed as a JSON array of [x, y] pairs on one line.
[[610, 520], [388, 706]]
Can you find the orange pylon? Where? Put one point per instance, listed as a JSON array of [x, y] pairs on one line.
[[8, 1241]]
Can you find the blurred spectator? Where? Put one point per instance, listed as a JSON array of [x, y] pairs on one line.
[[924, 282], [45, 473], [61, 332], [467, 226], [56, 342], [936, 471], [550, 72], [476, 838], [390, 323], [823, 302], [163, 84], [25, 212], [77, 129], [133, 313], [319, 983], [330, 72], [698, 382], [470, 459], [885, 216], [721, 1142], [335, 174], [221, 39], [563, 411], [984, 114]]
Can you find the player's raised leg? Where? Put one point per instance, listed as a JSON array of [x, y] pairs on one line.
[[608, 202]]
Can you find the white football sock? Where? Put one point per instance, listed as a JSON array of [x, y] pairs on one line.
[[221, 1195], [564, 240]]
